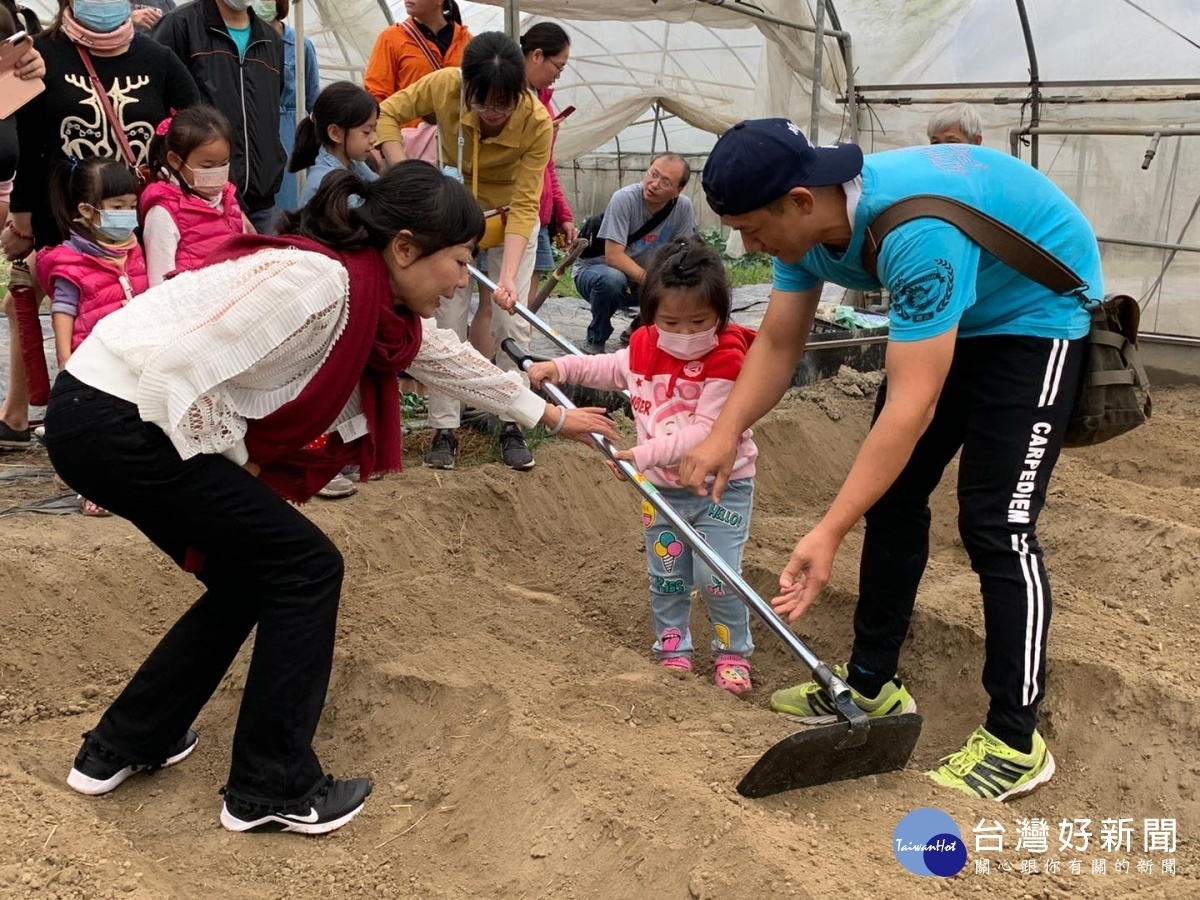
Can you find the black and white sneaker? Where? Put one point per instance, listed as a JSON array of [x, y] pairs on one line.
[[98, 770], [334, 803], [443, 451], [513, 449], [11, 439]]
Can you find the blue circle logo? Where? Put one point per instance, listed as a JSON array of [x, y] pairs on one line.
[[927, 842]]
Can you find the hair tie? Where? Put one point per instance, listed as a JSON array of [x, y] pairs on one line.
[[164, 126], [74, 160]]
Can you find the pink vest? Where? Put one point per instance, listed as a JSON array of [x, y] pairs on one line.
[[99, 282], [201, 228]]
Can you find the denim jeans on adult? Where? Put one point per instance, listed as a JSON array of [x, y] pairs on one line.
[[606, 289], [1005, 405], [263, 563], [676, 571]]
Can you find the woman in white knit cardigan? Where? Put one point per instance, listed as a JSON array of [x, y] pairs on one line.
[[196, 409]]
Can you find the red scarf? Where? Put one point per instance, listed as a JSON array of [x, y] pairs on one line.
[[379, 340]]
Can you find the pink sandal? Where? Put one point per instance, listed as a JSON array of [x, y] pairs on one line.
[[670, 641], [733, 674]]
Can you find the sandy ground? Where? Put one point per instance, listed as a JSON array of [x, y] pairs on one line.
[[492, 676]]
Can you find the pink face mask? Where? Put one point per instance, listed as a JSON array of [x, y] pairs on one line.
[[209, 182], [687, 346]]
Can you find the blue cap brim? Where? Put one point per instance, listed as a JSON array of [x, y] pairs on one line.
[[836, 164]]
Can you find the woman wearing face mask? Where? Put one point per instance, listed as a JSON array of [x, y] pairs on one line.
[[224, 393], [192, 207], [275, 12], [237, 61], [67, 121], [496, 137]]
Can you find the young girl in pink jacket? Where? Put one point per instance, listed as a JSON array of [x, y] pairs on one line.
[[679, 372]]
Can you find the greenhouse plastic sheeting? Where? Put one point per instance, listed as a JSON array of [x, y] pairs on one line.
[[708, 66]]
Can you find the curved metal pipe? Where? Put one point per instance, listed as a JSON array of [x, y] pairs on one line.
[[1035, 92]]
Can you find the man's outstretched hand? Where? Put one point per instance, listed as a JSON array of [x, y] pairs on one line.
[[707, 466]]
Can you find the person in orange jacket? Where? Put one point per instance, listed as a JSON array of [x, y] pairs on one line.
[[432, 37]]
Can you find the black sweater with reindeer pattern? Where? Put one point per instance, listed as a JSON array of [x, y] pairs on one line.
[[145, 84]]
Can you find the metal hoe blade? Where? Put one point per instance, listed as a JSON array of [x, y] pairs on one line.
[[852, 747], [818, 755]]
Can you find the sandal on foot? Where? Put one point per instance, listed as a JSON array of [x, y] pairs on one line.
[[676, 665], [669, 641], [88, 508], [732, 674]]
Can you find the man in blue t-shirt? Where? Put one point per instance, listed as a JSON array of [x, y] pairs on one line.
[[979, 359]]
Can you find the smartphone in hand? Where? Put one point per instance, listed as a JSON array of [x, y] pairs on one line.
[[15, 92], [564, 113]]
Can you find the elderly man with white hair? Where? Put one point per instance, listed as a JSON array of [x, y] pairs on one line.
[[955, 124]]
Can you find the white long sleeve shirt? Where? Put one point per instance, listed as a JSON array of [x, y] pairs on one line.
[[210, 349]]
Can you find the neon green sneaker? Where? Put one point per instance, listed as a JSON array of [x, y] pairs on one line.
[[988, 768], [809, 704]]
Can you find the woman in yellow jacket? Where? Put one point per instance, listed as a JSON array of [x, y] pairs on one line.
[[498, 135]]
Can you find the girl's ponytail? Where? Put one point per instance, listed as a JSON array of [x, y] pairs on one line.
[[343, 104], [307, 146], [331, 216], [411, 198]]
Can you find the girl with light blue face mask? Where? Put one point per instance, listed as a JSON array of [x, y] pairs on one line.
[[100, 267], [101, 16]]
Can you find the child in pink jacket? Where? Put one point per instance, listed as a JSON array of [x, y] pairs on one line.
[[679, 372]]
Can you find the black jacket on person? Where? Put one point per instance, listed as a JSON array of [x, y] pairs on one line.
[[246, 90]]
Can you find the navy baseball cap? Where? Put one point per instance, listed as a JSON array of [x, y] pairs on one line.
[[759, 160]]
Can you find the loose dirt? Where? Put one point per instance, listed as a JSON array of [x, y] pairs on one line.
[[492, 676]]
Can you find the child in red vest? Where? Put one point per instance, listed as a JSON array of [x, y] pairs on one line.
[[193, 208], [679, 373], [100, 267]]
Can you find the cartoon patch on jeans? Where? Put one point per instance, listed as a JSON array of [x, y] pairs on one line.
[[648, 514], [726, 516], [716, 589], [666, 585], [722, 632], [667, 549]]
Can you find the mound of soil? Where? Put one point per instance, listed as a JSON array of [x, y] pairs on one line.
[[493, 678]]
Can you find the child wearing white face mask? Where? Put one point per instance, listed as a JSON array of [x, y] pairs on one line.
[[192, 208], [679, 372]]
